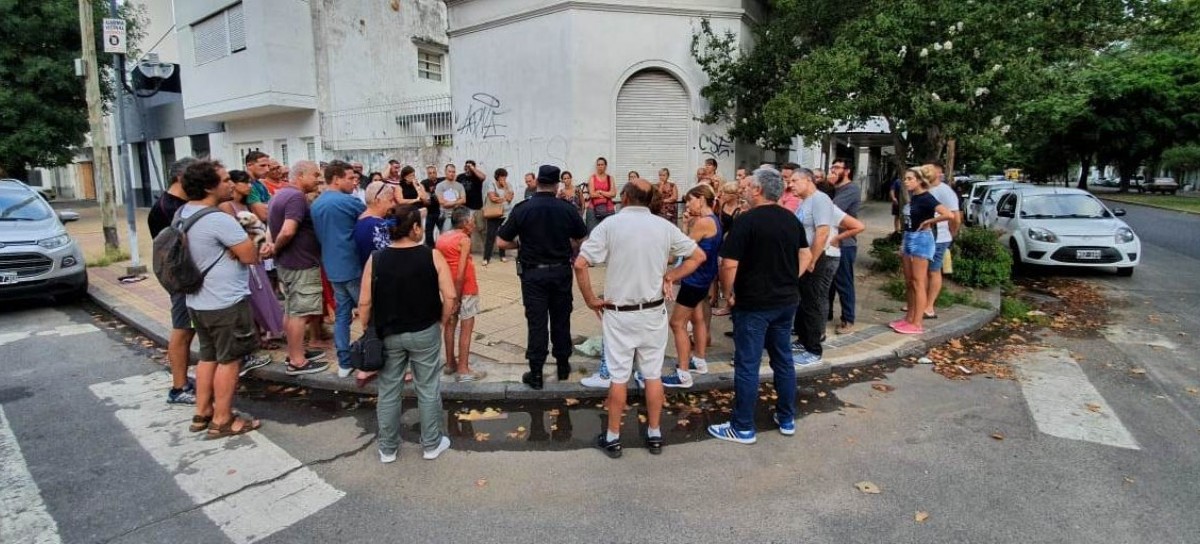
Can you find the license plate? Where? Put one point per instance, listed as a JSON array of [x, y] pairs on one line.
[[8, 277], [1087, 254]]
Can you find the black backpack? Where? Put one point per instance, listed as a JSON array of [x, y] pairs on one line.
[[173, 264]]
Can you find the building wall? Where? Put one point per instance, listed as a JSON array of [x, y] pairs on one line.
[[536, 82]]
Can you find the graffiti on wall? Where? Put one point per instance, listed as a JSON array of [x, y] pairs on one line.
[[484, 118], [715, 145]]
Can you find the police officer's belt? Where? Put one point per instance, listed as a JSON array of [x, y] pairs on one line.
[[634, 307], [540, 266]]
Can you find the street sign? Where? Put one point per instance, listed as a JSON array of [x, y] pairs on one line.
[[114, 36]]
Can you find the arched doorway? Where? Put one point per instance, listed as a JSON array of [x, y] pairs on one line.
[[654, 119]]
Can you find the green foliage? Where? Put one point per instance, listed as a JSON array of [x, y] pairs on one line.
[[1014, 308], [895, 288], [43, 113], [1181, 159], [980, 259], [886, 252], [110, 256]]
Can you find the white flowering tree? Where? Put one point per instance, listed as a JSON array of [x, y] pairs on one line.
[[935, 70]]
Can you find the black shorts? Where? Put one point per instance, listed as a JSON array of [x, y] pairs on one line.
[[691, 296], [180, 318], [226, 335], [895, 209]]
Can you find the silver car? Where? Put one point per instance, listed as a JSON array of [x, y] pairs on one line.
[[37, 255]]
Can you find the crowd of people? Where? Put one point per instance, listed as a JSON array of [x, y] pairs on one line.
[[284, 250]]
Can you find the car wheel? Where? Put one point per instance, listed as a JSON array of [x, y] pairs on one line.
[[1125, 271], [1018, 266]]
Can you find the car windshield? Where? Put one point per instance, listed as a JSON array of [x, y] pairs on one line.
[[23, 206], [1063, 206]]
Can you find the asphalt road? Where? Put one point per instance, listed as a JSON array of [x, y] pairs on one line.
[[104, 475], [1177, 232]]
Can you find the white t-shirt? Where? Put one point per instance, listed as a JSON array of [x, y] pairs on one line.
[[209, 241], [637, 245], [948, 198]]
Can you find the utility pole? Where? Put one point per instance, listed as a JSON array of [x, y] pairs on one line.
[[100, 157], [135, 265]]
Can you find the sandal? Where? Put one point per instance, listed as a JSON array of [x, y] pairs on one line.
[[199, 423], [720, 312], [222, 431]]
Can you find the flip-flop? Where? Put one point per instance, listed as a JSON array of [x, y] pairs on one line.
[[930, 316], [221, 431]]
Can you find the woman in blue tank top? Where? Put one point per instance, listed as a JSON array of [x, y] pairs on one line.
[[691, 304]]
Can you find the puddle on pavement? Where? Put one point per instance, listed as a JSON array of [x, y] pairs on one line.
[[568, 424]]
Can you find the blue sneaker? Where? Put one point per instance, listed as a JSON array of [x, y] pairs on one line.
[[797, 347], [677, 379], [786, 428], [725, 431], [805, 358], [186, 395]]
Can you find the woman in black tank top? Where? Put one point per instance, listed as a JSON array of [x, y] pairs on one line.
[[407, 293]]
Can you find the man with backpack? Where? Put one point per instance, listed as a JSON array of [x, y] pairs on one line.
[[219, 305]]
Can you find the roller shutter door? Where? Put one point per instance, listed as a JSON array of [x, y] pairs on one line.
[[653, 120]]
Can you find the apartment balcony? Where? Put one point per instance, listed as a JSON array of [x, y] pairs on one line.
[[245, 58]]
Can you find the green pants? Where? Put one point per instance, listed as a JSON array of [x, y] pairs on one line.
[[420, 352]]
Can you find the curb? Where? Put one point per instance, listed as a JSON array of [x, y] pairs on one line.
[[554, 390], [1144, 205]]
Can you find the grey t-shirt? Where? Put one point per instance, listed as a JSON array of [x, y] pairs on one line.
[[209, 241], [848, 198], [814, 211], [948, 198], [444, 188]]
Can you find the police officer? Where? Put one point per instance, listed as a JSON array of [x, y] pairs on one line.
[[543, 229]]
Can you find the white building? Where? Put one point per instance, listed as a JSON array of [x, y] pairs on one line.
[[564, 82], [316, 80]]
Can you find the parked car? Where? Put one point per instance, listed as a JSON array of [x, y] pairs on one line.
[[37, 255], [1066, 227], [1158, 185], [48, 193], [991, 200], [973, 204], [1107, 182]]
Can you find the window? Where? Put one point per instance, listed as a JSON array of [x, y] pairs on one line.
[[220, 35], [283, 154], [310, 149], [429, 64]]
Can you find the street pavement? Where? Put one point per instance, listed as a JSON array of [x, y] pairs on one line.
[[88, 453]]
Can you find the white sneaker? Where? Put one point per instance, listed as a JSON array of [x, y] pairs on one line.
[[699, 366], [596, 381], [441, 447], [385, 457], [345, 372]]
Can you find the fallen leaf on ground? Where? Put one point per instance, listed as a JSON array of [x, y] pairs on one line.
[[998, 435], [882, 387], [821, 394], [482, 437], [482, 482], [1092, 407], [868, 487], [956, 344], [921, 516], [1128, 480], [1193, 390], [1138, 371], [487, 414]]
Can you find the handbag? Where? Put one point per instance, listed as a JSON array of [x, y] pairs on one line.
[[493, 210], [366, 353]]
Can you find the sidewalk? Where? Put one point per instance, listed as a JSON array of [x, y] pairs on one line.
[[500, 334]]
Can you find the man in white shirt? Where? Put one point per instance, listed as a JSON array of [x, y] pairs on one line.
[[633, 309], [946, 230]]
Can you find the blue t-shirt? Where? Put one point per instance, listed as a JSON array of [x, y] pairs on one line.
[[370, 234], [334, 216]]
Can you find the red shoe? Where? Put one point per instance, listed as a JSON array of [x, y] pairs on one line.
[[897, 323]]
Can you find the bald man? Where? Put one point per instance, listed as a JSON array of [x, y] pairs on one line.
[[298, 260], [633, 310]]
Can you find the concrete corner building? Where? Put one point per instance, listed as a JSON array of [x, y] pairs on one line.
[[565, 81]]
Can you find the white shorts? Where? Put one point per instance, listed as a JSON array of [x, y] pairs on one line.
[[469, 307], [640, 336]]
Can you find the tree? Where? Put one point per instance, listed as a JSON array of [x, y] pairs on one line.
[[43, 115], [933, 70], [1182, 159]]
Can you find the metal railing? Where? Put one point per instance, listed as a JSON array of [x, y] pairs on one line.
[[423, 122]]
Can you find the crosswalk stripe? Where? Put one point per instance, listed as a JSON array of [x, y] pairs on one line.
[[1065, 404], [251, 488], [23, 515]]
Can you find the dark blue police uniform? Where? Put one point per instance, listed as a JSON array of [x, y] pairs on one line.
[[546, 226]]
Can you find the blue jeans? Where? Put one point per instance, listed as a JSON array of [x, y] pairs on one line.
[[843, 284], [345, 295], [753, 331]]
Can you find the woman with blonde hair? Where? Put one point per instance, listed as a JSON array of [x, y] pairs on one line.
[[691, 304], [924, 212]]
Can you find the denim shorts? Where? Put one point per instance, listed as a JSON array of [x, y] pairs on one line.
[[919, 244], [939, 254]]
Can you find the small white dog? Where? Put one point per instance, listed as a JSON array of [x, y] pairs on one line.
[[254, 227]]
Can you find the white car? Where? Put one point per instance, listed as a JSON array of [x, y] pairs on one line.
[[1066, 227], [973, 206], [986, 216]]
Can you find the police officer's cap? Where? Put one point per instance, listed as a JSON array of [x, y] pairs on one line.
[[548, 175]]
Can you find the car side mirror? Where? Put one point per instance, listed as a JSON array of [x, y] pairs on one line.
[[1004, 213], [67, 216], [1119, 212]]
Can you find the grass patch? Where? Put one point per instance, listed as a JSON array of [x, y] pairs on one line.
[[110, 256], [1188, 204], [896, 290], [1015, 309]]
